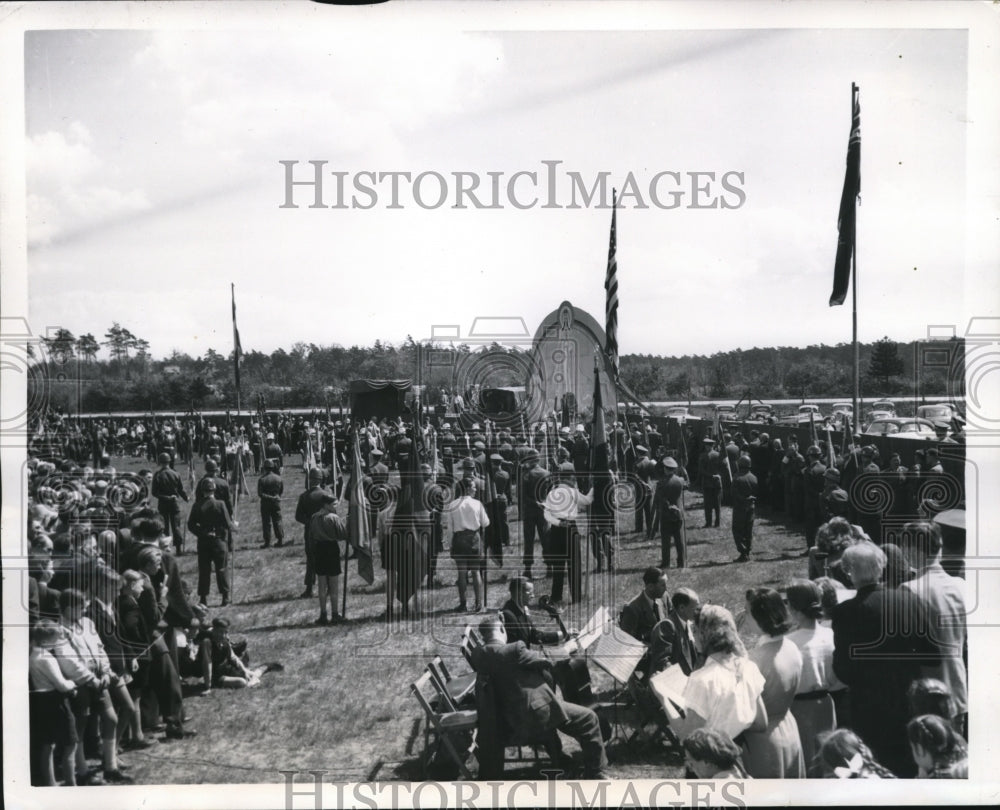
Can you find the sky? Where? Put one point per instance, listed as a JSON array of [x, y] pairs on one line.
[[154, 181]]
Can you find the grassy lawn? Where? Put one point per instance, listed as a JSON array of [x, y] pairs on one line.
[[343, 704]]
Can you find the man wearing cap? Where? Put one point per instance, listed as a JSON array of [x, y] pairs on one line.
[[669, 510], [434, 499], [562, 506], [535, 483], [374, 483], [211, 523], [310, 502], [501, 485], [814, 483], [273, 451], [710, 474], [270, 488], [644, 467], [168, 489], [744, 507]]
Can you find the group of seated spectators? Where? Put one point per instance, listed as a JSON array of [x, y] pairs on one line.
[[112, 630], [858, 672]]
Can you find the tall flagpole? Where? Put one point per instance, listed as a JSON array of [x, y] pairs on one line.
[[855, 90]]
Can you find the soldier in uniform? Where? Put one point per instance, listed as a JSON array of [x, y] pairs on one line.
[[377, 479], [310, 502], [791, 473], [168, 489], [710, 475], [643, 485], [814, 483], [502, 486], [273, 451], [270, 488], [434, 498], [534, 488], [669, 498], [211, 523], [744, 508]]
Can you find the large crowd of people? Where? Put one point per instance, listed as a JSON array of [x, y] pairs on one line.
[[836, 685]]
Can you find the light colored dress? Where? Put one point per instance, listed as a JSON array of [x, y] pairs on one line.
[[813, 706], [724, 691], [776, 752]]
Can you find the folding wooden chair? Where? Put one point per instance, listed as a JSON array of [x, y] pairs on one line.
[[446, 726], [458, 688], [470, 642]]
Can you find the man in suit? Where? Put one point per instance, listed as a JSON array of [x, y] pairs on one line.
[[672, 640], [881, 638], [647, 609], [944, 597], [517, 616], [515, 696]]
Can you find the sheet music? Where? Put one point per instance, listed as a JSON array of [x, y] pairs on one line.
[[618, 653], [591, 631], [668, 686], [594, 628]]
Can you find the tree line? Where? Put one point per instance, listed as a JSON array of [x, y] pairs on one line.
[[119, 373]]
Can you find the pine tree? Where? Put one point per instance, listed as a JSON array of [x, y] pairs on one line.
[[885, 362]]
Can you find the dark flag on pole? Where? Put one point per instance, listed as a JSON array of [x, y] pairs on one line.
[[611, 291], [237, 348], [357, 516], [847, 219]]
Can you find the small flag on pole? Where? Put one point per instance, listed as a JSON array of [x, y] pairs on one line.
[[611, 292], [237, 348], [847, 218]]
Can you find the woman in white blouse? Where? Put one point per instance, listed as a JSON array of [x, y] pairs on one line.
[[725, 693], [813, 707]]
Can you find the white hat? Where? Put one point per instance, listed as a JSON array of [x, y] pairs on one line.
[[269, 436]]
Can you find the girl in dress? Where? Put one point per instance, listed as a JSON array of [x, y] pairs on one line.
[[813, 707], [775, 752]]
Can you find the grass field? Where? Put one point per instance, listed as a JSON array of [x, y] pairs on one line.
[[343, 703]]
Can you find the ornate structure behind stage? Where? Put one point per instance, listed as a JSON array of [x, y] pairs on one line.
[[563, 362]]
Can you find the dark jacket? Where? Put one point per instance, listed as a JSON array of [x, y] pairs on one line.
[[669, 643], [638, 618], [520, 627]]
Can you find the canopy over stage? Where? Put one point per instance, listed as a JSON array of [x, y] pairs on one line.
[[378, 398], [563, 352]]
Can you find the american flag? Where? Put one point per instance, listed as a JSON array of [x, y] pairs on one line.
[[611, 290]]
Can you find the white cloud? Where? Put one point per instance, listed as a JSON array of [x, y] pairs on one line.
[[68, 187]]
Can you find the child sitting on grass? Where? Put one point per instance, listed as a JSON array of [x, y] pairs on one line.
[[221, 665]]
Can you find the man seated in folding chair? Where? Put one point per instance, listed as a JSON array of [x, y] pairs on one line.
[[671, 641], [571, 674], [517, 704]]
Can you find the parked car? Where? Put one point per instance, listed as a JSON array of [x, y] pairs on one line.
[[875, 415], [886, 405], [761, 412], [903, 427], [940, 413], [805, 410], [678, 412], [726, 413]]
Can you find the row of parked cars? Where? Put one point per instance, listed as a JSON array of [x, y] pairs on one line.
[[930, 422]]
